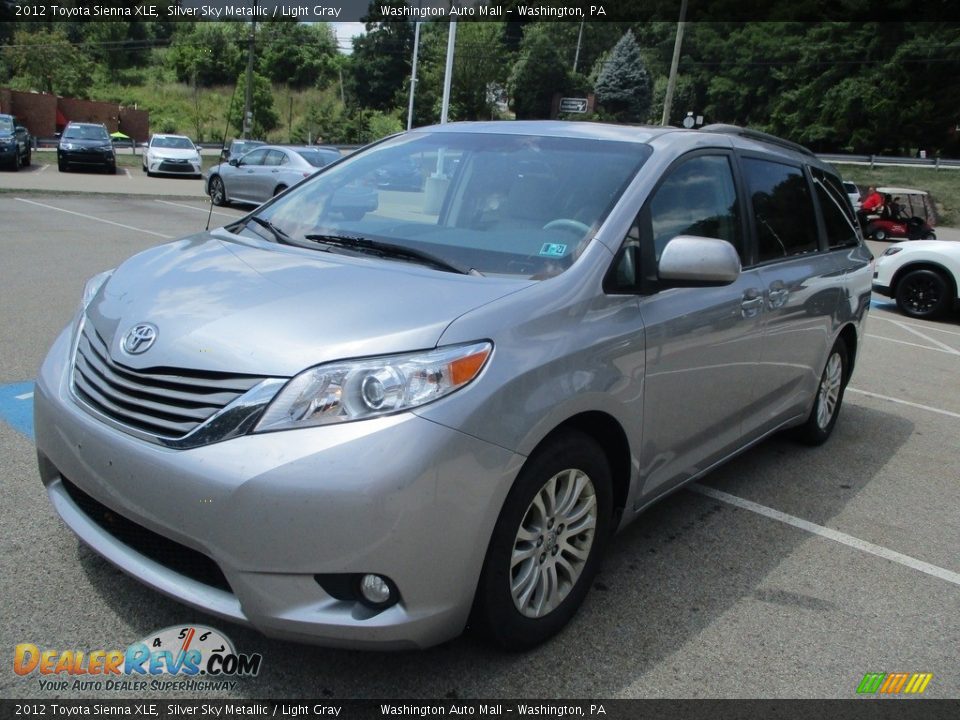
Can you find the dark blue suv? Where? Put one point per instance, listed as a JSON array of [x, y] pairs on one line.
[[14, 143]]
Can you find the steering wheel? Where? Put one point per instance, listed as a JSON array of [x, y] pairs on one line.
[[567, 224]]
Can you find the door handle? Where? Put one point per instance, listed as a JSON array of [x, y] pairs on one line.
[[751, 303], [777, 297]]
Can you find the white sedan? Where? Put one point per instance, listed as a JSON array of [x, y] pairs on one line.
[[171, 155], [922, 276]]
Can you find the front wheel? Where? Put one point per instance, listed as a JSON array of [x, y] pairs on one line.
[[880, 235], [218, 195], [923, 294], [547, 543], [826, 406]]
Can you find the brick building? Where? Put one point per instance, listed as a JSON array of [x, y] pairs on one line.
[[44, 115]]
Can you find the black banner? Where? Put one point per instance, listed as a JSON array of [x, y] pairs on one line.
[[855, 709]]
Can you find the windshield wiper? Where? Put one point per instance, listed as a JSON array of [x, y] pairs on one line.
[[279, 235], [390, 250]]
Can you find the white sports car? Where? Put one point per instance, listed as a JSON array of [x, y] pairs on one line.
[[922, 276], [171, 155]]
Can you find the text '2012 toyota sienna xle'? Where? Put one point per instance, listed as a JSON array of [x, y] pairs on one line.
[[364, 417]]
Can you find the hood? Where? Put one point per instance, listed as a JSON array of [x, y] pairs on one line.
[[174, 153], [86, 143], [229, 305]]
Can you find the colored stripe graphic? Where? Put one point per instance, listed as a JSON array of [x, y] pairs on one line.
[[894, 683], [871, 682]]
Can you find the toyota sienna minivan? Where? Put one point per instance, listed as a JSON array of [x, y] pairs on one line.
[[369, 428]]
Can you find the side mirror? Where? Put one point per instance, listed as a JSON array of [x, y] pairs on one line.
[[690, 261], [234, 161]]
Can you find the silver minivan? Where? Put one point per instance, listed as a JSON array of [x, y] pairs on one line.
[[367, 424]]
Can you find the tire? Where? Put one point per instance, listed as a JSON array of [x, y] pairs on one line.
[[923, 294], [111, 169], [17, 161], [279, 189], [826, 406], [62, 166], [26, 163], [218, 194], [930, 236], [536, 573], [880, 235]]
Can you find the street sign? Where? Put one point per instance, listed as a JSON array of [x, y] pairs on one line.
[[573, 105]]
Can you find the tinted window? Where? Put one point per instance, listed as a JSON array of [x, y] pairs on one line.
[[697, 198], [319, 158], [782, 209], [6, 124], [836, 210]]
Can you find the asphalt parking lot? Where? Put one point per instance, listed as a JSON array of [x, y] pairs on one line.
[[789, 572]]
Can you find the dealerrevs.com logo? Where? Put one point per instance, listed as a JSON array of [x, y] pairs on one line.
[[181, 657]]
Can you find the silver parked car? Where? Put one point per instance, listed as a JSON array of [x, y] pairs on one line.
[[363, 427], [264, 172]]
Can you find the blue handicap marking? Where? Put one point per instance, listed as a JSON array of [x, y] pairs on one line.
[[16, 407], [884, 304]]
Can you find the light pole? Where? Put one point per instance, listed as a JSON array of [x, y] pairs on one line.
[[413, 73], [672, 81]]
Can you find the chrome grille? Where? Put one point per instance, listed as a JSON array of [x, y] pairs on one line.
[[164, 402]]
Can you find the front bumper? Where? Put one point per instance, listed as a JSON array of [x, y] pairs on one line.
[[400, 496], [162, 166], [87, 158]]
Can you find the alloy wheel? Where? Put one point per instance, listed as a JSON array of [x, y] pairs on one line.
[[553, 543], [830, 385]]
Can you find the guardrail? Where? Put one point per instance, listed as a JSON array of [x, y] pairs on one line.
[[889, 161]]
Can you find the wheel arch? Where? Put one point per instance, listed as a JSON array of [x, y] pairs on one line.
[[609, 434], [849, 336], [923, 265]]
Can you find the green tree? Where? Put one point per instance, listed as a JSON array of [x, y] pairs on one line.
[[296, 54], [623, 85], [45, 60], [481, 64], [380, 63], [265, 117], [539, 72], [209, 53]]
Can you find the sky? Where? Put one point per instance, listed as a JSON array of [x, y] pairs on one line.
[[345, 31]]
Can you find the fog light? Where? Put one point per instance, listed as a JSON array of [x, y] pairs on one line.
[[375, 589]]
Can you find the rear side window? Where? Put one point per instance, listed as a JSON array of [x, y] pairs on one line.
[[698, 198], [835, 206], [782, 209]]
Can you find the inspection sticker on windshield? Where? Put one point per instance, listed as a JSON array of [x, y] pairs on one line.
[[553, 250]]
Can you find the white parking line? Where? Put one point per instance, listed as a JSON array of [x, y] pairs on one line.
[[25, 396], [916, 345], [925, 327], [91, 217], [922, 336], [829, 534], [41, 168], [948, 413], [126, 171], [191, 207]]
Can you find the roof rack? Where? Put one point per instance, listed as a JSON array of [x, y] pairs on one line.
[[755, 135]]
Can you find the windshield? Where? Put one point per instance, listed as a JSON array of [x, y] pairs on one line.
[[176, 143], [86, 132], [500, 204], [6, 124]]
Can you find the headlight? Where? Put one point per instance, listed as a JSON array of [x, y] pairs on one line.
[[360, 389], [6, 141], [892, 250], [93, 287], [67, 146]]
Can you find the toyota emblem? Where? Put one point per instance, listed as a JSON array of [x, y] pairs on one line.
[[140, 338]]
